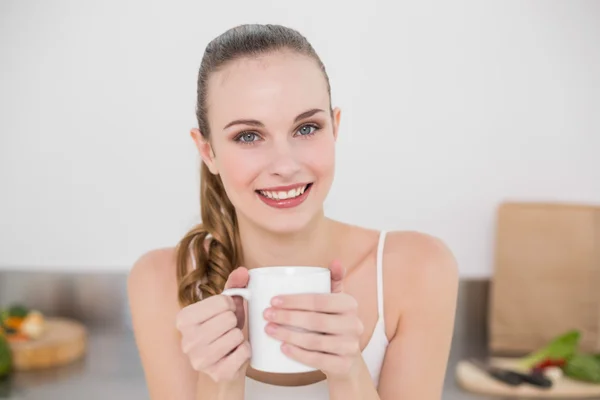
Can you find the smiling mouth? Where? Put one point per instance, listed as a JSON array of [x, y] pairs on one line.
[[285, 194]]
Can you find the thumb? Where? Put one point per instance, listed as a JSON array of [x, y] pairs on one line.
[[338, 272], [238, 278]]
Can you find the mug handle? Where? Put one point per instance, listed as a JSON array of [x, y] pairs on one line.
[[245, 293]]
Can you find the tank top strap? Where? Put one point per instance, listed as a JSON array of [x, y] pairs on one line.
[[380, 247]]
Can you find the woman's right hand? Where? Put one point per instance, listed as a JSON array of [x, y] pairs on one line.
[[211, 333]]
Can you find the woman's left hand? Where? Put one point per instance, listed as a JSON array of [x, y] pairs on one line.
[[329, 339]]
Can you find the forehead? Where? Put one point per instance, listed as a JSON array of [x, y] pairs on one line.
[[276, 86]]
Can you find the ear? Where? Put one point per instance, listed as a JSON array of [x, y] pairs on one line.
[[205, 150], [337, 115]]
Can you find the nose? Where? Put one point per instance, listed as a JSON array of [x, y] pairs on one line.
[[284, 159]]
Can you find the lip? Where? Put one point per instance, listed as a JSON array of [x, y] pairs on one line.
[[284, 188], [286, 203]]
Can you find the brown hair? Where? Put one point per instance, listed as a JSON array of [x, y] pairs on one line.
[[216, 258]]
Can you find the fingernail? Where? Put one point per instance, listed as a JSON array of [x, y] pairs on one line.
[[269, 313], [271, 328], [276, 301]]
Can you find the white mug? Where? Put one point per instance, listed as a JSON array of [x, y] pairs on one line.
[[264, 284]]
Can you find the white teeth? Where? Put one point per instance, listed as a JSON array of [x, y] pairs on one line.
[[284, 195]]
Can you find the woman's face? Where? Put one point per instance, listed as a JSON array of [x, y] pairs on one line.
[[272, 139]]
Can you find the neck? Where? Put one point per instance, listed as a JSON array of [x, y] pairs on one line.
[[263, 248]]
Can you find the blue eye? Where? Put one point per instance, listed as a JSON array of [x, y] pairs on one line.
[[247, 137], [307, 130]]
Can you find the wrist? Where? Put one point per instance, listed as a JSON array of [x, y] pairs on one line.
[[347, 378], [351, 376], [232, 390], [343, 387], [342, 380]]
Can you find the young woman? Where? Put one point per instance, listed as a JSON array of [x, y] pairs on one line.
[[266, 135]]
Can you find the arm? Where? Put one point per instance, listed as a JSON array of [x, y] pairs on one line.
[[159, 323], [153, 303], [415, 363], [423, 277], [359, 387]]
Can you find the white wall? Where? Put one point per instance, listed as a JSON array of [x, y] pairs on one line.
[[467, 103]]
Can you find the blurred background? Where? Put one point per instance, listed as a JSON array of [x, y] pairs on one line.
[[475, 121]]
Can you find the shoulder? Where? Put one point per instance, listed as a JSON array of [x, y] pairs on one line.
[[153, 264], [420, 263], [152, 293], [418, 253], [153, 274]]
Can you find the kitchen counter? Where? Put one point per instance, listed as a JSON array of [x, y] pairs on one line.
[[112, 370]]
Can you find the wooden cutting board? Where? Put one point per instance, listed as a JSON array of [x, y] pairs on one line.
[[63, 341], [472, 379]]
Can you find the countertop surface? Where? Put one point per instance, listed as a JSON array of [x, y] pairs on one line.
[[111, 370]]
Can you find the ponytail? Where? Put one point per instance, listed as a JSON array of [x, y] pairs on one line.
[[213, 246]]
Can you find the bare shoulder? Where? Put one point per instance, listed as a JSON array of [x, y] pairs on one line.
[[420, 263], [152, 285], [153, 272], [418, 254]]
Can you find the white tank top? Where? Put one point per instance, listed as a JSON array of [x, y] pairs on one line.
[[373, 355]]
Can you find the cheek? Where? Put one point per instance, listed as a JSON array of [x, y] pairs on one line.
[[237, 171], [321, 159]]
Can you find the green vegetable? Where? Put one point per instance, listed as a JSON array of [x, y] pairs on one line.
[[5, 358], [562, 347], [18, 310], [583, 367]]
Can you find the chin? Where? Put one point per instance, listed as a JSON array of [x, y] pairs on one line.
[[284, 226], [284, 222]]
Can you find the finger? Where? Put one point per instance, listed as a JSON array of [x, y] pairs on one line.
[[322, 361], [320, 302], [338, 273], [332, 344], [220, 348], [316, 322], [231, 364], [238, 278], [202, 311], [205, 334]]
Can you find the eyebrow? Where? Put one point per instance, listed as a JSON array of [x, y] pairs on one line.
[[254, 122]]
